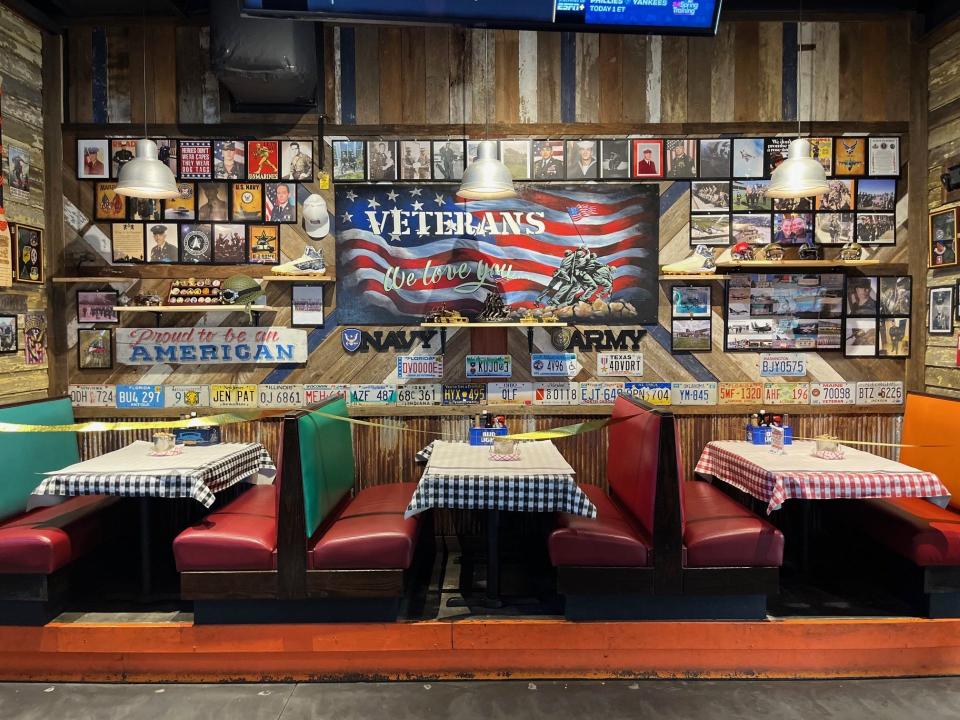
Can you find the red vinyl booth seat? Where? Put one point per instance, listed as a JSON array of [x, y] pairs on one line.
[[915, 528], [370, 533], [46, 539], [240, 536], [611, 539], [719, 532]]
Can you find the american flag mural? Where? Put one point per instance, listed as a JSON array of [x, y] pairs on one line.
[[587, 251]]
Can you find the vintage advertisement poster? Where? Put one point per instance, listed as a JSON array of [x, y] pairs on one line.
[[577, 251], [6, 266]]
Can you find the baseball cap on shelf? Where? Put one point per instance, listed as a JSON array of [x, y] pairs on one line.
[[316, 221]]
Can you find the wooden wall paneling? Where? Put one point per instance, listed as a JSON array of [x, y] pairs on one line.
[[414, 75], [568, 77], [588, 77], [610, 72], [457, 56], [391, 75], [162, 67], [118, 71], [189, 80], [211, 87], [770, 51], [722, 74], [80, 43], [805, 65], [528, 111], [790, 74], [875, 49], [851, 71], [673, 104], [548, 77], [481, 76], [57, 373], [368, 74], [747, 72], [898, 70], [436, 74], [347, 74], [634, 78], [137, 89], [699, 81], [329, 77], [825, 71], [507, 72]]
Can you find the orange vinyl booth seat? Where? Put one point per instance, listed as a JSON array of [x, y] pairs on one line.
[[926, 537], [660, 547]]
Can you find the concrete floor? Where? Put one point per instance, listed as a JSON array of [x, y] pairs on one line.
[[930, 699]]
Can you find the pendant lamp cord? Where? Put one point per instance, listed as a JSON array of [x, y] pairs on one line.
[[800, 69], [143, 47]]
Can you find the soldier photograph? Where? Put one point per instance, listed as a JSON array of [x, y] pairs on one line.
[[228, 160], [381, 164], [296, 160], [163, 244], [348, 160], [280, 204], [648, 158], [582, 160], [614, 158], [547, 160], [212, 201], [681, 159], [121, 152], [91, 159], [448, 159], [415, 160]]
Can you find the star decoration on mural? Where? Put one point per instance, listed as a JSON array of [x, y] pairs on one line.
[[351, 195], [392, 196], [394, 237], [415, 192], [346, 217], [372, 203], [417, 206], [439, 199]]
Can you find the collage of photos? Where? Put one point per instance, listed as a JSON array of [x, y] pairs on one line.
[[784, 312], [196, 243], [943, 238], [691, 319], [878, 316]]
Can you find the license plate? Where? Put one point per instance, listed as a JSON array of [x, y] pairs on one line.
[[624, 364], [281, 396], [419, 394], [880, 393], [786, 393], [373, 394], [513, 393], [600, 393], [93, 395], [694, 393], [494, 366], [186, 396], [233, 396], [736, 393], [139, 396], [464, 394], [554, 364], [411, 367], [832, 393], [314, 394], [653, 393], [782, 365], [558, 393]]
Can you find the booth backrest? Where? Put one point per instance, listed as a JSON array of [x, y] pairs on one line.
[[632, 459], [326, 462], [28, 455], [933, 421]]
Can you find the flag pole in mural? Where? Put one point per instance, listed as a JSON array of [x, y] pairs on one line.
[[578, 251]]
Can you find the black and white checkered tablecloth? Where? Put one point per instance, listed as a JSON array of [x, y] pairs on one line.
[[201, 482], [424, 455]]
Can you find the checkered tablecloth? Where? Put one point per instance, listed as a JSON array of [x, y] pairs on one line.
[[525, 491], [775, 479], [198, 472]]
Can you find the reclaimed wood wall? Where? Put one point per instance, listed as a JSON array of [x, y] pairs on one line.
[[21, 46], [941, 374]]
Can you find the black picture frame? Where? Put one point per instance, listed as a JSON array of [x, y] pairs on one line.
[[944, 327], [127, 259], [193, 211], [313, 288], [9, 334], [700, 289], [416, 167], [896, 329], [302, 142], [194, 233], [854, 304], [710, 169], [101, 186], [697, 325], [88, 348], [173, 238], [23, 237], [870, 152], [859, 325], [102, 144], [386, 174], [195, 176], [118, 145], [262, 177], [270, 189], [218, 256], [112, 318], [889, 289], [274, 230], [238, 187], [838, 142], [436, 147], [355, 174], [222, 142]]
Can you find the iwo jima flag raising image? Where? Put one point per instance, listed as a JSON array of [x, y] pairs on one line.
[[580, 252]]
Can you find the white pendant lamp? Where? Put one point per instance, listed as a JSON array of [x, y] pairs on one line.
[[486, 178], [146, 176], [799, 175]]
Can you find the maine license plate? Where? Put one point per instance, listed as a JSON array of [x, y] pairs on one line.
[[420, 394], [739, 393], [139, 396], [554, 364], [626, 364], [410, 367], [373, 394], [233, 396], [880, 393], [316, 393], [281, 396], [592, 393], [783, 365], [694, 393], [511, 393], [186, 396], [833, 393], [93, 395], [653, 393], [786, 393], [464, 394], [556, 393]]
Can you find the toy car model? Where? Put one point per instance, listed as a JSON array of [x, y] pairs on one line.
[[442, 315]]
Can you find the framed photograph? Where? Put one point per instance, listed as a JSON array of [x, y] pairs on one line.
[[449, 159], [126, 242], [896, 292], [774, 152], [415, 160], [196, 243], [877, 195], [893, 338], [750, 196], [860, 339], [850, 156], [296, 160], [306, 305], [803, 204], [97, 307], [162, 241], [876, 228], [691, 301], [614, 159], [349, 160], [647, 159], [473, 147], [35, 338], [943, 238], [710, 196], [246, 202], [280, 202], [122, 151], [835, 228], [229, 244], [263, 244], [107, 204], [582, 161], [184, 206], [229, 160], [195, 159], [515, 154], [715, 158], [263, 160], [95, 349], [212, 201], [748, 158], [28, 245], [940, 314], [752, 229], [93, 159], [690, 336], [9, 342], [548, 160], [167, 154], [884, 157], [144, 209], [839, 196], [680, 158], [862, 296], [710, 229], [793, 228], [381, 160], [18, 170], [821, 150]]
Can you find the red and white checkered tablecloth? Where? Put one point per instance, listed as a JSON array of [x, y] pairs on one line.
[[798, 474]]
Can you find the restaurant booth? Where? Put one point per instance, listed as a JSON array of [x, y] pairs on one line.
[[570, 340]]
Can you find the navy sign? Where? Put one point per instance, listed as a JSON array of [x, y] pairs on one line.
[[350, 338]]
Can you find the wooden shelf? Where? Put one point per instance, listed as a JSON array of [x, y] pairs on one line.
[[91, 279], [699, 276], [492, 324], [796, 263], [298, 278], [193, 309]]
